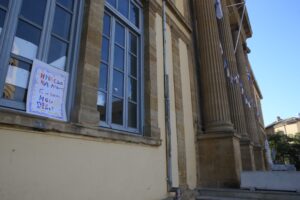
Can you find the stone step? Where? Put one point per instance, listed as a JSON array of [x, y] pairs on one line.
[[217, 198], [245, 194]]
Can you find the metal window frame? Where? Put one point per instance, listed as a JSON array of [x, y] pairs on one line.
[[116, 16], [7, 38]]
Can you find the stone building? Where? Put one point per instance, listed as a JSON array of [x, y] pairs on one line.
[[156, 97], [289, 126]]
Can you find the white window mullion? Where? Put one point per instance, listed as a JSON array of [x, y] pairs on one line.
[[8, 32], [110, 74], [46, 32], [125, 115]]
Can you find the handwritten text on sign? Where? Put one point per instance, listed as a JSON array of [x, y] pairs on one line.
[[47, 91]]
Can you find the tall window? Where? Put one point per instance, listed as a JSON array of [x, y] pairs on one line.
[[119, 96], [3, 11], [44, 30]]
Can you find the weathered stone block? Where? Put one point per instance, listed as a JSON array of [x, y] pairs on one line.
[[247, 156], [259, 158], [220, 160]]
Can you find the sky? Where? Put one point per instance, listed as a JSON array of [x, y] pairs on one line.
[[275, 55]]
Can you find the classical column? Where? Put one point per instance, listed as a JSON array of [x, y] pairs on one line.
[[234, 91], [242, 69], [219, 148], [252, 128], [259, 151]]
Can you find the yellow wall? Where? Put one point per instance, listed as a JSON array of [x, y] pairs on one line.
[[38, 166], [188, 116]]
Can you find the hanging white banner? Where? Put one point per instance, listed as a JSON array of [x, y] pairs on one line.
[[47, 91]]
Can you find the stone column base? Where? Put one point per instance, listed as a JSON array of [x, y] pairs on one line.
[[267, 164], [219, 160], [259, 158], [247, 155]]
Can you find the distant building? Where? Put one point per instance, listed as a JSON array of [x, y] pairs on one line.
[[289, 126]]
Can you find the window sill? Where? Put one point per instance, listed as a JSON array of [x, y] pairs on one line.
[[27, 121]]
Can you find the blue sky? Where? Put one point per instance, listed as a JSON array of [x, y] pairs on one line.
[[275, 55]]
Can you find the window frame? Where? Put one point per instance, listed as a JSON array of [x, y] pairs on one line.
[[117, 17], [8, 34]]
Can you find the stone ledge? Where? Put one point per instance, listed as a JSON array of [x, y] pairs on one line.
[[21, 120], [218, 136]]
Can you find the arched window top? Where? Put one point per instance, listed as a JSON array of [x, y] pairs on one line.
[[129, 9]]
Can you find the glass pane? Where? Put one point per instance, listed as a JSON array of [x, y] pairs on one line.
[[106, 25], [28, 32], [34, 10], [2, 18], [118, 83], [112, 2], [105, 49], [66, 3], [134, 14], [103, 76], [117, 111], [132, 115], [123, 6], [4, 3], [15, 93], [62, 22], [26, 41], [119, 57], [16, 81], [132, 89], [120, 34], [57, 53], [132, 69], [101, 104], [133, 43]]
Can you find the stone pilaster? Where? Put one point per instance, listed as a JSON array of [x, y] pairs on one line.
[[219, 147], [181, 148], [85, 111], [151, 128], [234, 92]]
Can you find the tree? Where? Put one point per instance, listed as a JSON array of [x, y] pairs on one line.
[[287, 148]]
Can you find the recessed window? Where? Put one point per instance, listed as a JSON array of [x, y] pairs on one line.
[[119, 95], [3, 11], [42, 31]]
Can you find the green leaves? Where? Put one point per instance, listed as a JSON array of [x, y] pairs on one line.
[[287, 148]]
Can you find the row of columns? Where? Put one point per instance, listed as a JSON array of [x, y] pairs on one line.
[[230, 127]]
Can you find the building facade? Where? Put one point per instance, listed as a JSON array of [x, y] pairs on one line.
[[159, 97], [289, 126]]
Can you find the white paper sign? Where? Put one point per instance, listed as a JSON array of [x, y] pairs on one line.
[[47, 91]]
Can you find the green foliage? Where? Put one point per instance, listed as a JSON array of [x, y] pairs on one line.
[[287, 148]]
